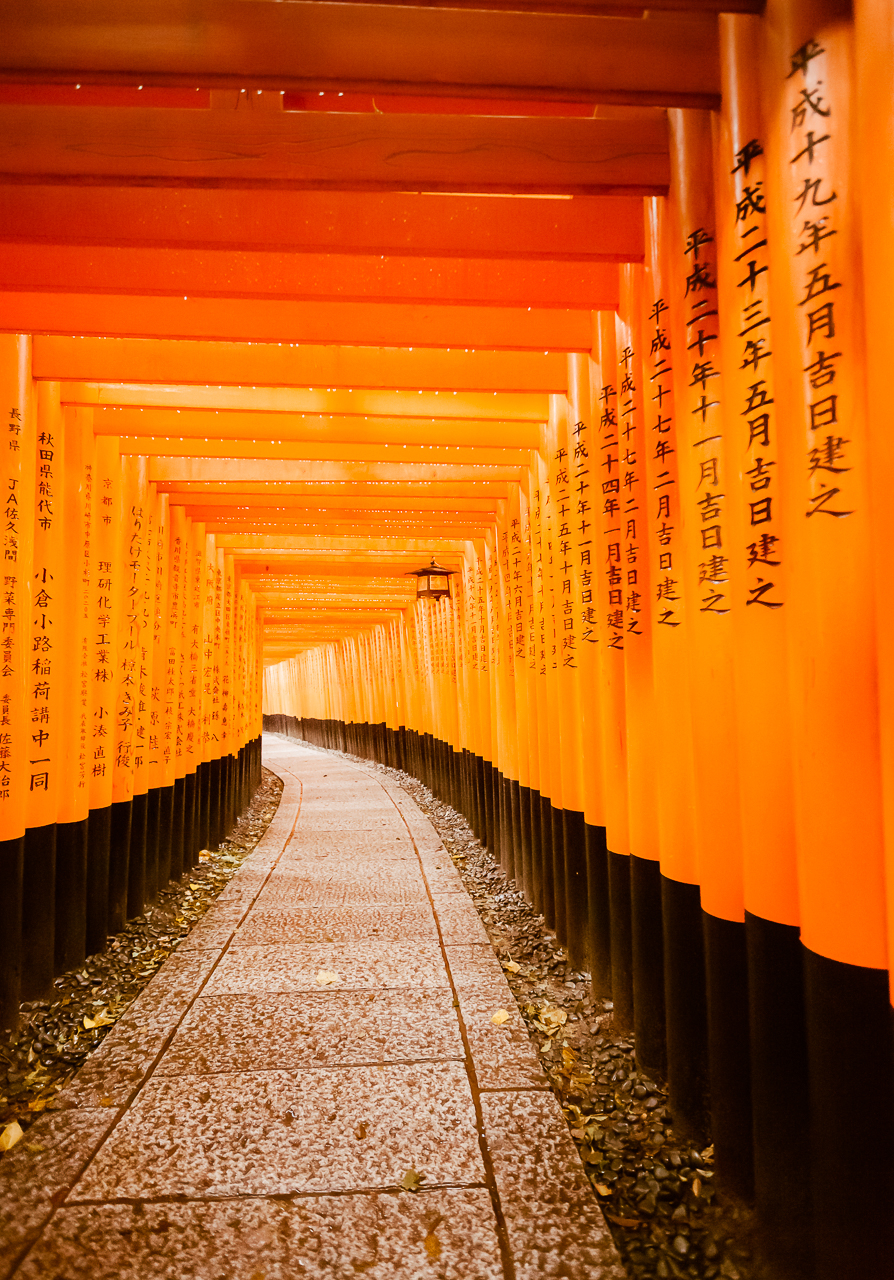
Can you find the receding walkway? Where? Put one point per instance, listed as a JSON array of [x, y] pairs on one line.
[[322, 1039]]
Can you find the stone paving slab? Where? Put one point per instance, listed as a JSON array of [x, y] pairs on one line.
[[244, 1122], [295, 966], [281, 1132], [323, 1029], [435, 1235]]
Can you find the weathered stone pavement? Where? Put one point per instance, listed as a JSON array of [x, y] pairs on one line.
[[323, 1035]]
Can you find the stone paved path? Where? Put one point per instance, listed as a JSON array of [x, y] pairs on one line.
[[244, 1122]]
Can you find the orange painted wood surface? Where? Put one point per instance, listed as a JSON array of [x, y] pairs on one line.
[[227, 274], [567, 228], [243, 43], [275, 321]]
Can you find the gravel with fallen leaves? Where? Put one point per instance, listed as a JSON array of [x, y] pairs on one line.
[[55, 1037], [657, 1194]]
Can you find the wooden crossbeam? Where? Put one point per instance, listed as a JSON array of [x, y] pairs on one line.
[[260, 469], [200, 424], [668, 59], [281, 451], [334, 282], [269, 320], [383, 224], [224, 149], [250, 366], [408, 377]]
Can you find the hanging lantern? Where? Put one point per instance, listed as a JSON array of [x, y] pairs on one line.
[[432, 582]]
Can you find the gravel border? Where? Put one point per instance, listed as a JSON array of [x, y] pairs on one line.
[[55, 1037]]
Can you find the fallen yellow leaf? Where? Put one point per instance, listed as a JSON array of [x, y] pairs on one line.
[[500, 1017], [327, 977], [411, 1181], [12, 1134], [603, 1189], [511, 967], [102, 1019], [432, 1246]]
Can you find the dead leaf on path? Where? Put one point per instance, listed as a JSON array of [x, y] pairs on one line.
[[624, 1222], [500, 1017], [361, 1132], [511, 967], [35, 1147], [327, 977], [411, 1181], [432, 1246], [102, 1019], [603, 1189], [12, 1134]]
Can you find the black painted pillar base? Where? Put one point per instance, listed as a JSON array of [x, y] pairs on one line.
[[177, 831], [136, 863], [515, 825], [599, 922], [190, 827], [38, 912], [780, 1099], [119, 853], [153, 882], [559, 876], [215, 833], [99, 835], [647, 933], [621, 939], [729, 1055], [524, 874], [850, 1045], [164, 834], [577, 907], [71, 895], [12, 857], [547, 904], [686, 1008]]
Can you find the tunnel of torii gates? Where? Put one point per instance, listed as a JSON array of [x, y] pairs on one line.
[[275, 333]]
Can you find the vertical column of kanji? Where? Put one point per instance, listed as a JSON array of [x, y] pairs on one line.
[[127, 844], [504, 699], [470, 624], [15, 742], [106, 582], [206, 788], [175, 680], [874, 32], [816, 296], [579, 713], [757, 572], [463, 659], [628, 349], [482, 694], [542, 823], [74, 670], [489, 626], [515, 663], [161, 704], [228, 728], [218, 831], [45, 699], [555, 863], [704, 486], [192, 648], [143, 889], [602, 594], [684, 970], [585, 836], [518, 650]]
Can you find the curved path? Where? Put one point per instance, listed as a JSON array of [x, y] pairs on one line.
[[321, 1040]]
